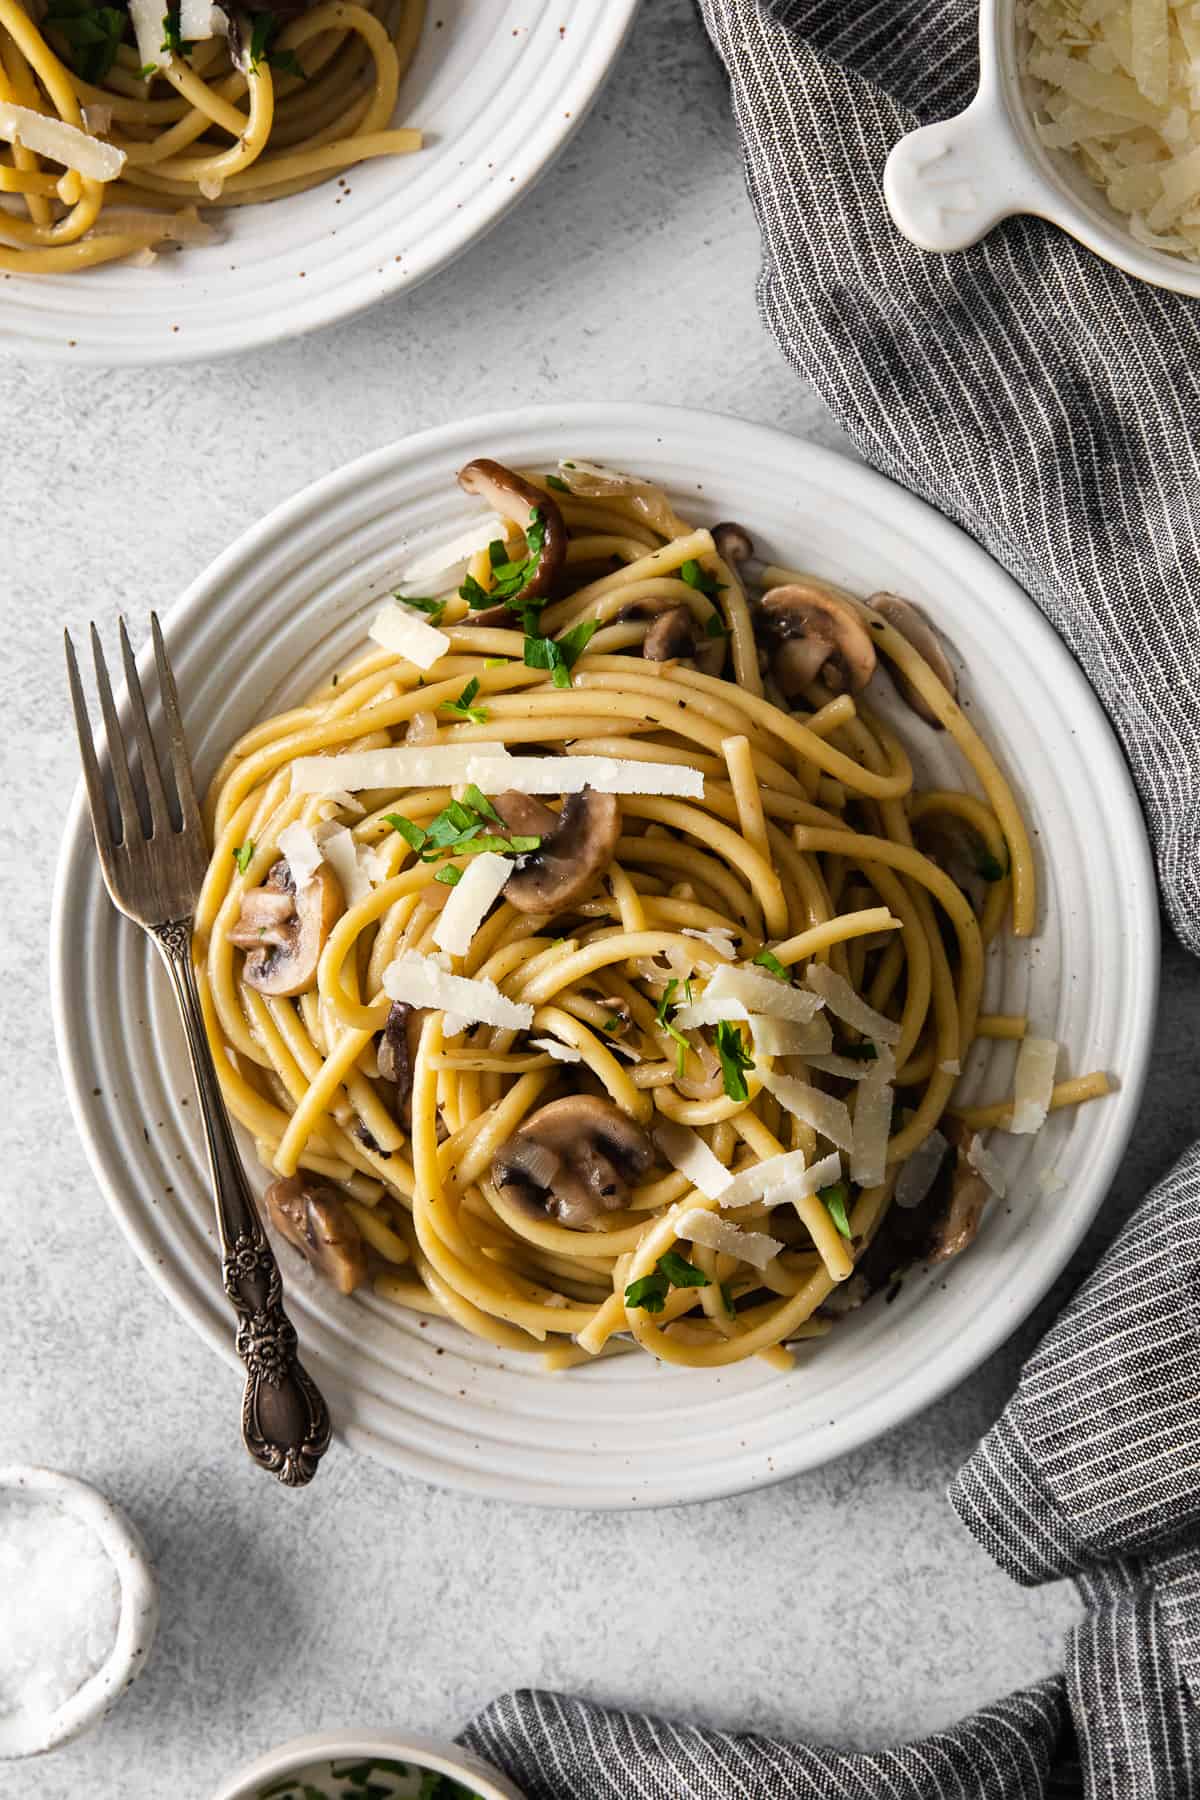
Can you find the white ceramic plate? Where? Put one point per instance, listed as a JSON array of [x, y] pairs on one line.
[[285, 605], [498, 86]]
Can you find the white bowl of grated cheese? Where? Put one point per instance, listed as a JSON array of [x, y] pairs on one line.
[[1084, 116], [78, 1608]]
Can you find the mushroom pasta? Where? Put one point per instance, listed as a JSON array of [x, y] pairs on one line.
[[584, 960], [120, 121]]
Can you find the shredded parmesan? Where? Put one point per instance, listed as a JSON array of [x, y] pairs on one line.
[[702, 1227], [829, 1116], [605, 774], [563, 1053], [985, 1164], [399, 767], [423, 982], [446, 566], [147, 16], [919, 1171], [779, 1178], [470, 901], [872, 1122], [403, 631], [845, 1004], [1033, 1084], [302, 852], [736, 992], [61, 142], [787, 1037], [199, 20], [720, 941], [687, 1151], [341, 853]]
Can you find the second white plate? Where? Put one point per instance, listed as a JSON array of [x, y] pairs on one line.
[[288, 603]]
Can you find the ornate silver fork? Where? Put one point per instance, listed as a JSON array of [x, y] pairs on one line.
[[153, 857]]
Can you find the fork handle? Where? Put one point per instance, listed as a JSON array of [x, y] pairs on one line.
[[285, 1422]]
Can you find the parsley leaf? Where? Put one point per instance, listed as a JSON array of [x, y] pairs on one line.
[[261, 39], [664, 1005], [767, 959], [413, 835], [613, 1023], [91, 33], [449, 876], [836, 1199], [477, 800], [649, 1292], [715, 626], [435, 608], [734, 1060], [171, 38], [560, 655], [509, 578], [700, 579], [243, 854], [727, 1297], [558, 484], [680, 1272], [662, 1014], [990, 868], [475, 715]]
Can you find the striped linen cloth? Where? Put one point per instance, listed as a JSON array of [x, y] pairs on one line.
[[1051, 407]]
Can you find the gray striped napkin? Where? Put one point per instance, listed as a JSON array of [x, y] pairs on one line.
[[1050, 406]]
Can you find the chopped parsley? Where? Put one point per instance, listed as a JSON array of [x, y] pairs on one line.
[[422, 603], [700, 579], [171, 38], [92, 35], [560, 655], [558, 484], [449, 876], [672, 1270], [715, 626], [734, 1060], [285, 61], [474, 715], [767, 959], [475, 798], [613, 1024], [727, 1297], [836, 1200], [509, 578], [459, 828], [413, 835], [365, 1785], [663, 1013], [990, 867], [243, 854]]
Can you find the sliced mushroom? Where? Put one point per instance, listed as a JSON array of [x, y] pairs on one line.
[[396, 1055], [811, 635], [573, 1160], [313, 1216], [940, 1227], [675, 634], [589, 481], [516, 499], [283, 931], [734, 543], [575, 849], [912, 624]]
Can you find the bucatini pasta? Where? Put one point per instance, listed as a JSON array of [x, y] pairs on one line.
[[583, 960], [117, 124]]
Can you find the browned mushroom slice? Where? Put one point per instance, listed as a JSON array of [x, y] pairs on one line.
[[941, 1226], [912, 624], [516, 499], [675, 633], [574, 852], [313, 1216], [734, 543], [396, 1055], [589, 481], [283, 931], [573, 1160], [813, 635]]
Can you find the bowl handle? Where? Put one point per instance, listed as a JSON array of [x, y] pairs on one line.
[[946, 185]]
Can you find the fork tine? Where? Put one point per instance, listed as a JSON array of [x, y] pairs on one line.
[[180, 761], [127, 806], [160, 817], [93, 781]]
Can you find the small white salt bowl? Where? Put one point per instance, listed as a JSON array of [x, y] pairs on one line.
[[948, 184], [313, 1756], [84, 1528]]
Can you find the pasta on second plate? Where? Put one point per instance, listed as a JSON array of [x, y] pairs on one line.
[[584, 961], [120, 123]]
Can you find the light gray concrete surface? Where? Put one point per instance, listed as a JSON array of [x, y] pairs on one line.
[[847, 1604]]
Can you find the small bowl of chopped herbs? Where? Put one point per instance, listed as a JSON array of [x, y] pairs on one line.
[[368, 1765]]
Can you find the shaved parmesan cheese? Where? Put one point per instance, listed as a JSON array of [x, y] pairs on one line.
[[330, 808], [403, 631], [471, 899], [375, 863], [605, 774], [61, 142], [147, 16], [702, 1227], [919, 1172], [779, 1178], [446, 566], [872, 1123], [1033, 1084], [1051, 1182], [829, 1116], [97, 119], [443, 765], [564, 1053], [199, 20], [720, 941], [736, 992], [844, 1003], [847, 1068], [301, 851], [787, 1037], [423, 982], [985, 1164], [687, 1151], [951, 1068], [422, 729], [341, 853]]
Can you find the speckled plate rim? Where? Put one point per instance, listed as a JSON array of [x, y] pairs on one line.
[[713, 1435], [494, 132]]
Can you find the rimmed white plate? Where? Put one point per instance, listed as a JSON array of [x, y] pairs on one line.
[[285, 605], [498, 86]]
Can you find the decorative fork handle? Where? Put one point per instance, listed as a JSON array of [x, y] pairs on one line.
[[285, 1422]]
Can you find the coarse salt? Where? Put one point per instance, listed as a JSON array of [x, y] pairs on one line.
[[60, 1602]]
